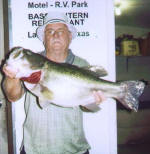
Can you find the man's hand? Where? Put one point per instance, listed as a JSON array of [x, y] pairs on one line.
[[12, 85], [99, 97], [9, 72], [96, 100]]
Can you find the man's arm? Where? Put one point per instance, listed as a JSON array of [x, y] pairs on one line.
[[12, 86]]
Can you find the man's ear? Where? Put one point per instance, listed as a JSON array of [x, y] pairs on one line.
[[70, 36], [44, 40]]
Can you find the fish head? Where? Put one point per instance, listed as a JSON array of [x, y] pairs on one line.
[[19, 62]]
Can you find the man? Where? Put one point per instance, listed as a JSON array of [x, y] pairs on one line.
[[52, 130]]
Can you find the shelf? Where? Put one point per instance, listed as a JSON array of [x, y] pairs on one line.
[[133, 68]]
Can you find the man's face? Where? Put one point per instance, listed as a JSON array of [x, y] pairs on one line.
[[57, 37]]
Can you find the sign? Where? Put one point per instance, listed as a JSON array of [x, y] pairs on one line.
[[95, 39]]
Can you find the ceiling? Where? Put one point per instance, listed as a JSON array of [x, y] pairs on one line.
[[134, 13]]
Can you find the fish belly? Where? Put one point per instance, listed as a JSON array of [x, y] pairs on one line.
[[69, 94]]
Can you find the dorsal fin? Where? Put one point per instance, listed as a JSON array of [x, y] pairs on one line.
[[98, 70]]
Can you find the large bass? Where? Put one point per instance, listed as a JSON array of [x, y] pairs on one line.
[[67, 85]]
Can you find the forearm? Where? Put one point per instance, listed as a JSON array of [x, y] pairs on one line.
[[13, 89]]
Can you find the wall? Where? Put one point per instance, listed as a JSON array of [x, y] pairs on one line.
[[3, 129], [1, 31], [135, 31]]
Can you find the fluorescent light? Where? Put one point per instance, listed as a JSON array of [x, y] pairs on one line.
[[117, 11]]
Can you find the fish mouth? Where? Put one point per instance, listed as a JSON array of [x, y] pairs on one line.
[[34, 78]]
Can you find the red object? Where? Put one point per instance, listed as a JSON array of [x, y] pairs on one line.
[[34, 78], [145, 46]]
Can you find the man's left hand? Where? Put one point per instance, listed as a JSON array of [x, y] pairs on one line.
[[99, 97]]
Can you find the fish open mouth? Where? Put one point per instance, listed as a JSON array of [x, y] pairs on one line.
[[34, 78]]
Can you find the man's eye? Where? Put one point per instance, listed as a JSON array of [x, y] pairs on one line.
[[60, 32], [51, 32]]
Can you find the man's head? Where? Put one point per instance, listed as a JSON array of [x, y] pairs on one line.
[[55, 17], [57, 37], [56, 32]]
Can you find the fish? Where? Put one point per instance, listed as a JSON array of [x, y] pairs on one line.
[[68, 85]]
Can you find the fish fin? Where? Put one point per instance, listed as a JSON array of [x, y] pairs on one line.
[[90, 108], [98, 70], [42, 103], [131, 91], [47, 93]]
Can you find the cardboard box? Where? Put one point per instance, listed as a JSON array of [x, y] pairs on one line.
[[130, 48]]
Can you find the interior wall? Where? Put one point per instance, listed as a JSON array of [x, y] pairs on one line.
[[1, 31], [135, 31], [3, 127]]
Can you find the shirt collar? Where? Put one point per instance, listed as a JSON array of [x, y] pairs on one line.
[[69, 59]]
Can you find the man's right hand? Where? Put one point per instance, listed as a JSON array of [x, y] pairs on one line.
[[9, 72], [12, 85]]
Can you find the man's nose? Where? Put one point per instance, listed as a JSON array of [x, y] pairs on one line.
[[56, 34]]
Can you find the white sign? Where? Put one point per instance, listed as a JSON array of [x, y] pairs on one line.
[[94, 20]]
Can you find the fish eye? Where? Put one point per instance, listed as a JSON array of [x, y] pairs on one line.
[[29, 53], [17, 54]]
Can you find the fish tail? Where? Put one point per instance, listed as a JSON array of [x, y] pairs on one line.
[[131, 91]]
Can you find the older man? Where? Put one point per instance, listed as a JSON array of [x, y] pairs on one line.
[[52, 130]]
